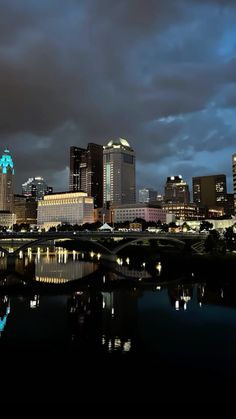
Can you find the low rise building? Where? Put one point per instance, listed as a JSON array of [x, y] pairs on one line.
[[183, 211], [25, 210], [7, 219], [131, 212], [65, 208]]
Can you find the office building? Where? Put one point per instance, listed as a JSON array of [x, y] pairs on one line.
[[210, 191], [7, 219], [147, 195], [65, 208], [130, 212], [86, 171], [25, 210], [36, 188], [6, 181], [184, 211], [176, 191], [119, 173]]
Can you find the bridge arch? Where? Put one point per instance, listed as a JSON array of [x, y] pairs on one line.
[[5, 251], [167, 239], [43, 240]]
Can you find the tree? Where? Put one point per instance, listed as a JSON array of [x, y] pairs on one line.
[[214, 244], [230, 237], [185, 226], [206, 225]]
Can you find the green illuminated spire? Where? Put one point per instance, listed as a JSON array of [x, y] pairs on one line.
[[6, 162]]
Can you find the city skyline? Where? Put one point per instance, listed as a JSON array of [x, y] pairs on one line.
[[139, 186], [161, 74]]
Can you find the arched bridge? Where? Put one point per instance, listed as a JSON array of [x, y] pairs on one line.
[[32, 240]]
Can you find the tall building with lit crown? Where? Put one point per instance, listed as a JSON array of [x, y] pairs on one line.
[[234, 178], [119, 183], [6, 181], [176, 191]]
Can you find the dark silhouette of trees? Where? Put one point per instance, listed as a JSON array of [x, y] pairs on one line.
[[214, 244], [205, 225]]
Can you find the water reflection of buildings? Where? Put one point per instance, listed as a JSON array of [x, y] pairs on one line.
[[50, 270], [4, 312], [105, 321], [138, 270], [217, 294], [34, 302], [202, 294], [180, 296], [120, 310]]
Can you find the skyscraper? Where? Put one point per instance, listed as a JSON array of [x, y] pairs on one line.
[[36, 188], [75, 160], [210, 191], [119, 173], [176, 191], [234, 178], [6, 181], [86, 171], [147, 195]]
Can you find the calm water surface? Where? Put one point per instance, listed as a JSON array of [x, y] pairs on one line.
[[179, 336]]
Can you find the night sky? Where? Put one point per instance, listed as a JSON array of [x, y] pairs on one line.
[[161, 73]]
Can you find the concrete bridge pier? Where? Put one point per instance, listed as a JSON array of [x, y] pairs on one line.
[[11, 262], [108, 257]]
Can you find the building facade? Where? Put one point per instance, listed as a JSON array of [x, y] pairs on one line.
[[65, 208], [75, 160], [6, 181], [7, 219], [210, 191], [176, 191], [25, 210], [86, 171], [147, 195], [119, 179], [36, 188], [184, 211], [133, 211]]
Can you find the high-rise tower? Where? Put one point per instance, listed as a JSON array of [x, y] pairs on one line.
[[119, 186], [6, 181], [176, 191], [35, 188], [86, 171], [210, 191]]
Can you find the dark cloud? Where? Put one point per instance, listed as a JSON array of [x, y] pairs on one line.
[[161, 73]]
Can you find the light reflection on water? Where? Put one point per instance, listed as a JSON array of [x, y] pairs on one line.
[[176, 321], [186, 327]]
